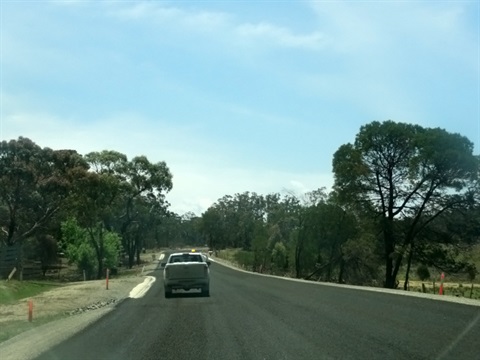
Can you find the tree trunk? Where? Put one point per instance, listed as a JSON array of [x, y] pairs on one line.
[[341, 271], [298, 252], [389, 276], [131, 254], [332, 260], [390, 272], [98, 252], [100, 268], [138, 246], [409, 264]]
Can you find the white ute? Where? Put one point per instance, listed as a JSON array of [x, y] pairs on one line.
[[186, 271]]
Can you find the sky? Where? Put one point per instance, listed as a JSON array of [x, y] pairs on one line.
[[234, 96]]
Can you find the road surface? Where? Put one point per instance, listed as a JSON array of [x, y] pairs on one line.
[[254, 317]]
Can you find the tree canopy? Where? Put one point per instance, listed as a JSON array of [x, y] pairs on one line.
[[103, 192], [403, 196], [407, 176]]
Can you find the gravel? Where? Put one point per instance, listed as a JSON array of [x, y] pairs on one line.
[[83, 303]]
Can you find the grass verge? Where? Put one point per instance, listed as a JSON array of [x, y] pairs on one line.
[[13, 328], [244, 259], [449, 288], [12, 291]]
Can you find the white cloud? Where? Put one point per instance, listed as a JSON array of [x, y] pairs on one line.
[[161, 14], [224, 24], [130, 133], [282, 36], [69, 2], [350, 29], [368, 28]]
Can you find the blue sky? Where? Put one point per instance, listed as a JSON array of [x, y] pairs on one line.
[[235, 95]]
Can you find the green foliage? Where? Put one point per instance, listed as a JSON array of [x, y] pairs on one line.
[[260, 248], [360, 261], [407, 176], [471, 272], [279, 256], [128, 196], [112, 249], [77, 247], [244, 259], [40, 188], [423, 272], [90, 249], [34, 184], [83, 255], [400, 191], [11, 291]]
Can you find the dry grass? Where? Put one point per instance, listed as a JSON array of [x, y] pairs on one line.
[[449, 288]]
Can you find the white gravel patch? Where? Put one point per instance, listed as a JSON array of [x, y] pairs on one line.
[[141, 289]]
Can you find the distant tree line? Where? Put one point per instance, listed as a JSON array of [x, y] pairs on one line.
[[402, 195]]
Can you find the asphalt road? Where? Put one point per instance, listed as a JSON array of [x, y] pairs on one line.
[[255, 317]]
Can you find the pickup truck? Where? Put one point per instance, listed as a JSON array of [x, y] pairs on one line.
[[186, 271]]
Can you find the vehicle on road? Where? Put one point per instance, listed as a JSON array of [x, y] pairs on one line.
[[186, 271], [205, 257]]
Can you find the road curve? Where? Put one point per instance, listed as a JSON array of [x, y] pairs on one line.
[[254, 317]]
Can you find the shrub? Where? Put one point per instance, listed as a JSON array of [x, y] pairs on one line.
[[423, 272], [244, 259]]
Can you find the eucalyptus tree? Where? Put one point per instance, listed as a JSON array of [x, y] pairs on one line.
[[191, 230], [282, 220], [404, 171], [211, 228], [231, 220], [34, 183], [447, 242], [137, 179], [91, 206], [144, 230], [325, 229]]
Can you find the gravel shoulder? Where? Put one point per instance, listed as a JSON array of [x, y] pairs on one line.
[[61, 312], [400, 292], [77, 305], [69, 299]]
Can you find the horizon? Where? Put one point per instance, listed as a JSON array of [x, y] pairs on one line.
[[234, 96]]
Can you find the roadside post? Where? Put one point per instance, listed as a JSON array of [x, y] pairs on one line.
[[11, 274], [30, 310], [442, 277], [108, 271]]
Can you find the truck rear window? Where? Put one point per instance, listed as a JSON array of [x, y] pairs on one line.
[[186, 258]]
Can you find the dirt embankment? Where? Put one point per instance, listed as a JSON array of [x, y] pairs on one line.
[[70, 299]]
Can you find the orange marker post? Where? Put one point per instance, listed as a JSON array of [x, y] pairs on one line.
[[440, 292], [30, 310], [107, 279]]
